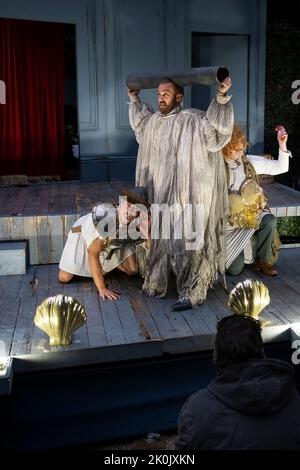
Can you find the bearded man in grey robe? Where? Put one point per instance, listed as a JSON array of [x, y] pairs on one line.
[[180, 165]]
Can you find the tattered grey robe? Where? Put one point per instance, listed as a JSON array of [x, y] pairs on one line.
[[179, 161]]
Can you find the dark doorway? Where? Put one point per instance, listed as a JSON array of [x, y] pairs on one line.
[[282, 71], [231, 51], [71, 114]]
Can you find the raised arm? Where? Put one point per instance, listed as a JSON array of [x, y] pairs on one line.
[[96, 270], [265, 166], [218, 122], [139, 113]]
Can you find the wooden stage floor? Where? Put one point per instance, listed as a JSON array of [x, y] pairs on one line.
[[134, 326], [43, 214], [74, 197]]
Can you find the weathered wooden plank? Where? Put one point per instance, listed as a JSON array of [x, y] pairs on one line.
[[279, 195], [178, 321], [3, 283], [26, 286], [285, 300], [131, 328], [80, 336], [163, 324], [290, 273], [42, 273], [61, 205], [12, 258], [31, 234], [19, 202], [284, 309], [285, 257], [86, 285], [22, 337], [196, 322], [290, 276], [12, 286], [220, 307], [144, 317], [180, 324], [208, 316], [17, 228], [83, 204], [9, 310], [5, 228], [56, 238], [41, 199], [32, 201], [43, 239], [86, 200], [71, 288], [43, 202], [112, 324], [3, 196], [9, 200], [131, 287], [55, 287], [95, 324], [69, 221]]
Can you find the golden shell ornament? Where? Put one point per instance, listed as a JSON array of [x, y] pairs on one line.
[[249, 298], [59, 317]]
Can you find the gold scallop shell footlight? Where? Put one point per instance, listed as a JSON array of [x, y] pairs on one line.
[[249, 298], [59, 317]]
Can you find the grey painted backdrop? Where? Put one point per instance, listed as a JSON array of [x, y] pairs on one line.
[[118, 37]]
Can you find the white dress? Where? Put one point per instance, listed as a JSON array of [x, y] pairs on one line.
[[74, 258]]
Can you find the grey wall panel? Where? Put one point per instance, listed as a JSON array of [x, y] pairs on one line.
[[119, 37], [241, 17]]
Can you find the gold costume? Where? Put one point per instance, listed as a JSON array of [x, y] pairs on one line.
[[247, 204]]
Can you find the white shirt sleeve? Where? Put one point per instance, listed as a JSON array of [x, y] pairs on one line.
[[264, 166]]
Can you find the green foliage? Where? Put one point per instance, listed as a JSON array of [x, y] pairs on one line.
[[282, 68], [72, 134], [288, 226]]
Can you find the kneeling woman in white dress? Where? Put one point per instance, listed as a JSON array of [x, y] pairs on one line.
[[105, 239]]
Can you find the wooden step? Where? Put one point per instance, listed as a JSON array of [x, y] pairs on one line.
[[12, 258]]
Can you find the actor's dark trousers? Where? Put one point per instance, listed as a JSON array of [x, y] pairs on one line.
[[264, 236]]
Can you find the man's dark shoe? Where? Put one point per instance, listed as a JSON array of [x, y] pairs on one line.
[[182, 304]]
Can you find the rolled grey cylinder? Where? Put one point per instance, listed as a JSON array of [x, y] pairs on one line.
[[197, 76]]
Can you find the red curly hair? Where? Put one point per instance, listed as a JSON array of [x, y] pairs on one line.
[[238, 141]]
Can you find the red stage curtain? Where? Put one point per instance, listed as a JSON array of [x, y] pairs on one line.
[[32, 127]]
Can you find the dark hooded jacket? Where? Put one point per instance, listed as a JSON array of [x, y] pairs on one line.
[[251, 405]]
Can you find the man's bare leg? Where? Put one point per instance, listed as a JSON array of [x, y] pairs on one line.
[[64, 277], [129, 266]]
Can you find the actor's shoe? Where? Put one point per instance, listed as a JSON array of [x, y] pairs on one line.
[[182, 304], [265, 268]]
